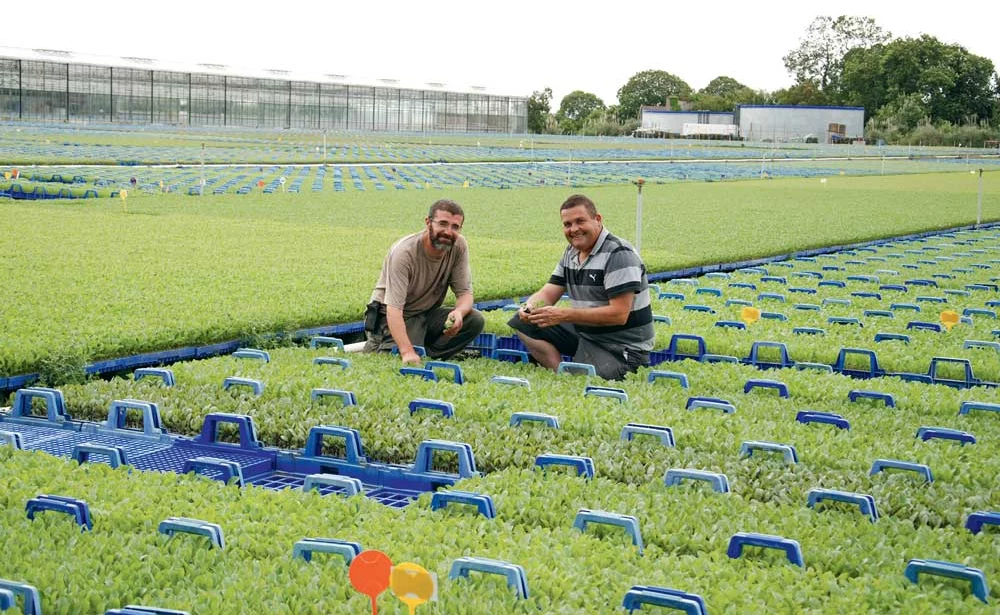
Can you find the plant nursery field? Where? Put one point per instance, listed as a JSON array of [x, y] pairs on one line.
[[88, 280]]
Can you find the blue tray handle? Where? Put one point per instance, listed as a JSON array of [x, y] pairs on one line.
[[118, 415], [977, 520], [11, 438], [420, 350], [353, 452], [27, 593], [514, 573], [254, 385], [969, 406], [55, 405], [882, 464], [518, 418], [244, 424], [820, 367], [943, 433], [426, 374], [938, 361], [630, 524], [511, 381], [690, 604], [584, 466], [664, 434], [886, 398], [975, 577], [307, 546], [662, 318], [228, 470], [318, 341], [483, 503], [808, 331], [174, 525], [671, 296], [731, 324], [763, 383], [829, 418], [981, 344], [712, 403], [165, 375], [509, 355], [681, 379], [253, 353], [741, 539], [788, 452], [612, 392], [347, 398], [569, 367], [343, 363], [781, 347], [864, 502], [115, 455], [424, 462], [133, 609], [719, 481], [348, 484], [454, 368], [446, 408], [888, 337], [78, 509]]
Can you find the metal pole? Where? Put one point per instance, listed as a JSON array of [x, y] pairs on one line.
[[201, 189], [324, 148], [638, 216], [979, 209]]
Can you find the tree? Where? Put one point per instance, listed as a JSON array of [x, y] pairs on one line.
[[538, 110], [650, 87], [907, 75], [575, 108], [723, 87], [820, 54], [805, 93]]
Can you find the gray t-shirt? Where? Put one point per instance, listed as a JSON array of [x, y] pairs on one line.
[[415, 282]]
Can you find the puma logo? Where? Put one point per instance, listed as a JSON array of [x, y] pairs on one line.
[[593, 277]]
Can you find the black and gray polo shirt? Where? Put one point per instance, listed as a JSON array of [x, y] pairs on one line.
[[612, 268]]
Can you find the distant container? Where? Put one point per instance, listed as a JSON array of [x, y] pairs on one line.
[[793, 123]]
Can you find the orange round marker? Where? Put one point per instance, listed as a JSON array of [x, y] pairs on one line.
[[369, 574]]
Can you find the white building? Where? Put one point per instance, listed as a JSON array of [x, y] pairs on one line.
[[795, 123], [662, 121]]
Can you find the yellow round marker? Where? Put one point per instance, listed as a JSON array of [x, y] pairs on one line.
[[749, 315], [412, 584], [949, 318]]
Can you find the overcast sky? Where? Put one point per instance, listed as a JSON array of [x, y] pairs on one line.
[[509, 46]]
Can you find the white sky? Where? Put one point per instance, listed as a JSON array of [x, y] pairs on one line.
[[509, 46]]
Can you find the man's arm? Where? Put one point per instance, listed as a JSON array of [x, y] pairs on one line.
[[397, 328], [615, 313]]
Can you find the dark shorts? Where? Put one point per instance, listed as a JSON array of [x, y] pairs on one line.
[[609, 363]]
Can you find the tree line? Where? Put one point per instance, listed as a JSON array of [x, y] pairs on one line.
[[914, 90]]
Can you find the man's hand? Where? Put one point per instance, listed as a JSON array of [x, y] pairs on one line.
[[410, 358], [545, 316], [454, 323]]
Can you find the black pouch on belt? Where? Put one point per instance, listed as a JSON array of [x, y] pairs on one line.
[[372, 311]]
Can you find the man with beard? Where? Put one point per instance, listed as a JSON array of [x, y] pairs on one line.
[[610, 322], [406, 305]]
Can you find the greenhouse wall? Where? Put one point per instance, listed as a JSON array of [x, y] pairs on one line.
[[45, 90], [797, 123]]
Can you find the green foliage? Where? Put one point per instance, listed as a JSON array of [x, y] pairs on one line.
[[539, 106], [819, 56], [65, 365], [575, 108], [222, 269], [723, 87], [909, 78], [649, 87]]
